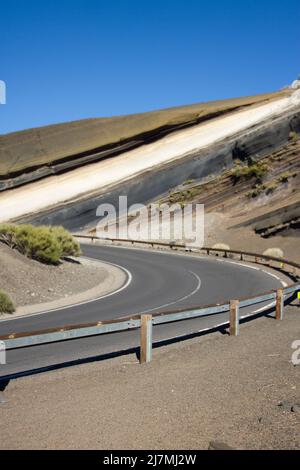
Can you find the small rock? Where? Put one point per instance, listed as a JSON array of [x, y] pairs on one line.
[[286, 405], [2, 399], [218, 445], [264, 420], [296, 409], [50, 289]]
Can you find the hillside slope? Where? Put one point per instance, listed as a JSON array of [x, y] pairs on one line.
[[72, 198], [251, 210], [35, 153], [29, 282]]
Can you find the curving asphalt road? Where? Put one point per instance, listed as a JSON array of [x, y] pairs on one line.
[[158, 281]]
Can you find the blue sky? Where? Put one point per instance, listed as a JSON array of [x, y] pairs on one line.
[[64, 60]]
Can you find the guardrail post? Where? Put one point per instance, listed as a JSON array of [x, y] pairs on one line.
[[279, 304], [146, 339], [234, 318]]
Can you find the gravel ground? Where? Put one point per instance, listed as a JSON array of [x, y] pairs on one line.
[[213, 387], [30, 282]]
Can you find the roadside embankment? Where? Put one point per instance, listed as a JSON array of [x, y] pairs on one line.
[[36, 287]]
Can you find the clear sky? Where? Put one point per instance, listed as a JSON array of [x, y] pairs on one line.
[[64, 60]]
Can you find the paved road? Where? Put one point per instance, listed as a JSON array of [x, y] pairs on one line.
[[159, 281]]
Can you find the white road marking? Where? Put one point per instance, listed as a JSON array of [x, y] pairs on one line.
[[178, 300], [271, 304], [238, 264], [129, 279], [243, 264], [256, 269], [218, 325]]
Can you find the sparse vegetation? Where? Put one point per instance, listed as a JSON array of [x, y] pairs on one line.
[[6, 304], [284, 177], [182, 196], [293, 136], [45, 244], [187, 182], [256, 191], [272, 185], [245, 172]]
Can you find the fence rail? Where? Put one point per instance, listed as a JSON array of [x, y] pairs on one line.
[[146, 322]]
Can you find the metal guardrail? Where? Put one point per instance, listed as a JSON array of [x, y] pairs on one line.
[[145, 322], [186, 247]]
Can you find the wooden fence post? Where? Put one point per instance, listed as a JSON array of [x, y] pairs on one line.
[[234, 318], [279, 304], [146, 339]]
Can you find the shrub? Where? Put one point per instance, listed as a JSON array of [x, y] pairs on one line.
[[271, 187], [187, 182], [293, 136], [44, 244], [256, 191], [185, 195], [284, 177], [68, 244], [6, 304], [256, 170], [38, 243]]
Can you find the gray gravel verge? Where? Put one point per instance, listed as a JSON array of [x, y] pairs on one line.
[[210, 388]]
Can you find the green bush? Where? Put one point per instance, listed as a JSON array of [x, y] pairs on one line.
[[187, 182], [256, 191], [6, 304], [44, 244], [284, 177], [69, 246], [186, 195], [245, 172], [293, 136]]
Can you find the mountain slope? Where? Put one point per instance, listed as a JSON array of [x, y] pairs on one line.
[[72, 198], [56, 148]]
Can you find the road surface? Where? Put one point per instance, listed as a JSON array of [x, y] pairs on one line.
[[157, 281]]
